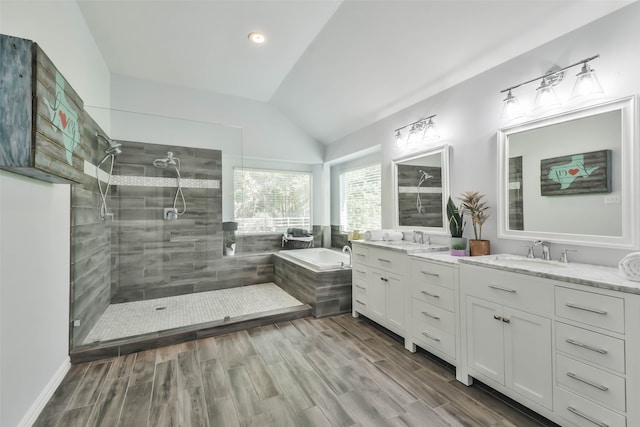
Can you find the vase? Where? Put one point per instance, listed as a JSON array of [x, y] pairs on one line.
[[479, 247], [458, 246], [230, 250]]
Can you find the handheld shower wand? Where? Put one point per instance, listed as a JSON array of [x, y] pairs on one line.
[[173, 213], [111, 152]]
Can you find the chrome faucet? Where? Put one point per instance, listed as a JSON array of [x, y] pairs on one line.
[[546, 249], [419, 237], [347, 249]]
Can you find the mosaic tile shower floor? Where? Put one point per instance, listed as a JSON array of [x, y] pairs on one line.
[[142, 317]]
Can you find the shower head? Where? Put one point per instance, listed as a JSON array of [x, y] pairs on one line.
[[167, 161], [114, 147]]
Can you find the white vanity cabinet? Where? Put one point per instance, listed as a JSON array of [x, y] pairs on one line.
[[434, 306], [566, 346], [379, 286], [508, 336]]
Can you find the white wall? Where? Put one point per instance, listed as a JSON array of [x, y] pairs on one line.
[[468, 115], [34, 223], [266, 133]]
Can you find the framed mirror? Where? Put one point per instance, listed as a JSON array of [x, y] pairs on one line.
[[420, 190], [571, 178]]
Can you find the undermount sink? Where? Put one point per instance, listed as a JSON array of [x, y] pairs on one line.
[[516, 260]]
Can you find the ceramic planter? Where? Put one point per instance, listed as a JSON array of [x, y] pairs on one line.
[[458, 246], [479, 247]]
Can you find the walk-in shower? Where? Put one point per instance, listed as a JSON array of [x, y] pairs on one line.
[[111, 152], [172, 213]]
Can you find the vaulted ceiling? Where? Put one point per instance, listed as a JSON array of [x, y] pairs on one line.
[[332, 67]]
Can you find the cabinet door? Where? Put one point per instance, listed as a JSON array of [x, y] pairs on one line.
[[485, 344], [395, 301], [528, 357], [377, 295]]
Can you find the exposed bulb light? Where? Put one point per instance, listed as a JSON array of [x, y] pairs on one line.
[[587, 83], [430, 130], [546, 96], [511, 108], [399, 139], [257, 38], [422, 130]]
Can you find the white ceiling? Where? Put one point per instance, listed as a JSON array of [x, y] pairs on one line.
[[331, 66]]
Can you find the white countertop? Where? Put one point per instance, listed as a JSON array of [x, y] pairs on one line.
[[581, 274], [402, 246]]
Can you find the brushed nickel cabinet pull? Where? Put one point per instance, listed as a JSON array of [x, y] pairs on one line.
[[586, 417], [586, 381], [498, 288], [586, 346], [430, 315], [431, 337], [589, 309], [505, 320], [360, 302], [429, 274], [361, 287], [383, 260], [497, 317], [430, 295], [361, 272]]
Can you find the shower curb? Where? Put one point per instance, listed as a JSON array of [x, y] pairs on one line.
[[179, 335]]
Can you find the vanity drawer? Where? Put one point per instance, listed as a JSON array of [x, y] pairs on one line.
[[532, 294], [360, 303], [602, 311], [590, 346], [389, 260], [433, 316], [360, 254], [596, 384], [582, 412], [360, 272], [436, 274], [434, 295], [359, 287], [427, 336]]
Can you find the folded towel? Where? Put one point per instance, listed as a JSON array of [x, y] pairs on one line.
[[630, 266], [373, 234], [392, 235]]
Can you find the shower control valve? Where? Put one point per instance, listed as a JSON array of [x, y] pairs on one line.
[[170, 214]]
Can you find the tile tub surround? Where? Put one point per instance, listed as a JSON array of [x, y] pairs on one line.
[[581, 274], [339, 239], [327, 292]]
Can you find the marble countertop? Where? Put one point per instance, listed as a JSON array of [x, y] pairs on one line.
[[402, 246], [440, 257], [580, 274]]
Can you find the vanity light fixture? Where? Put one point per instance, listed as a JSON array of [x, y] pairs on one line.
[[257, 38], [423, 130], [586, 84]]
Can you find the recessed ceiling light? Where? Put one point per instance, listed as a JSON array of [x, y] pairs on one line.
[[257, 38]]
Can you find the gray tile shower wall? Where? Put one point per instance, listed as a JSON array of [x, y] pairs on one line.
[[90, 245]]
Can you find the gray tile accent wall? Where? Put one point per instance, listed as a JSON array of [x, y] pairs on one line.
[[338, 238], [327, 292]]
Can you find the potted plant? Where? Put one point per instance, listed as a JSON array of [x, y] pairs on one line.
[[477, 209], [456, 227], [230, 246]]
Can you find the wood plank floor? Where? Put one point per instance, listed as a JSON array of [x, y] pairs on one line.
[[336, 371]]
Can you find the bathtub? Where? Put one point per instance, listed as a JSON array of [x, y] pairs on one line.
[[317, 259], [316, 277]]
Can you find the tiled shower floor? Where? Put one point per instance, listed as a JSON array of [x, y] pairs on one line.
[[143, 317]]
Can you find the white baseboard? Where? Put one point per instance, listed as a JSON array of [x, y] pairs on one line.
[[34, 411]]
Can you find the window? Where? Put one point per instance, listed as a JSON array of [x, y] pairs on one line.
[[360, 199], [271, 201]]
